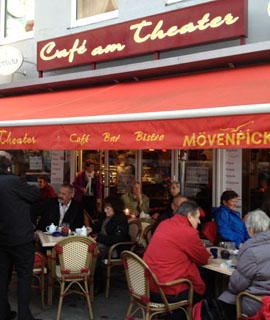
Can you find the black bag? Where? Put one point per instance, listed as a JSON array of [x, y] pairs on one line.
[[207, 309]]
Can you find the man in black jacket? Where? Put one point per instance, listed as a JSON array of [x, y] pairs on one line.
[[16, 239], [62, 209]]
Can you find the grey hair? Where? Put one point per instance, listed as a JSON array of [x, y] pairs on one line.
[[258, 220]]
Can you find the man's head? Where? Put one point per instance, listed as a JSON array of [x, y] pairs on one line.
[[136, 188], [65, 193], [191, 210], [174, 188], [5, 161], [176, 202], [89, 165], [42, 181]]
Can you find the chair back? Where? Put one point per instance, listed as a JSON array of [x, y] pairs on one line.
[[77, 255], [138, 276], [147, 234], [135, 230]]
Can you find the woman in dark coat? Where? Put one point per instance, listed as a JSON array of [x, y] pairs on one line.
[[253, 268], [112, 227]]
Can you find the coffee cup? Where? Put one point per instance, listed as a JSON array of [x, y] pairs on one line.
[[214, 252], [225, 254], [51, 228], [83, 231], [78, 231]]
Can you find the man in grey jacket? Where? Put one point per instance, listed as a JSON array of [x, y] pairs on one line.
[[16, 239], [253, 268]]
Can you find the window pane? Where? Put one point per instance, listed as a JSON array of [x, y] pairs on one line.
[[156, 175], [19, 17], [196, 170], [88, 8]]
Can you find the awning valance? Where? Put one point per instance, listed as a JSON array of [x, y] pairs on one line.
[[221, 109]]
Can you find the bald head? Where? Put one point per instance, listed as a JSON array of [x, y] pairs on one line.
[[177, 201]]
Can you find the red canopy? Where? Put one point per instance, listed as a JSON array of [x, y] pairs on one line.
[[221, 109]]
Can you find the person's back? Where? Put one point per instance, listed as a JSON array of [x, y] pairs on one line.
[[16, 239], [15, 222]]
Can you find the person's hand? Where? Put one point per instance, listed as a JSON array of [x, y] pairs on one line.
[[89, 230], [83, 189], [155, 215]]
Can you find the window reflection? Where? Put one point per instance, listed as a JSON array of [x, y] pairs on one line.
[[88, 8], [19, 17]]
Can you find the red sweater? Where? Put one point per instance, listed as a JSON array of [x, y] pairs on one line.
[[47, 192], [174, 252]]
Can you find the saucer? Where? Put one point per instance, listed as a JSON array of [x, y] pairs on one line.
[[48, 233]]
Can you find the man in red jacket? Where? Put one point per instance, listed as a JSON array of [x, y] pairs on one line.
[[174, 252]]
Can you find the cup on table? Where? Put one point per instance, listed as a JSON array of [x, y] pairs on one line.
[[78, 231], [65, 229], [214, 252]]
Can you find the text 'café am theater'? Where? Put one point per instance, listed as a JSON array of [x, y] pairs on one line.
[[181, 88]]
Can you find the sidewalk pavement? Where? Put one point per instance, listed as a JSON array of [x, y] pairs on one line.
[[75, 306]]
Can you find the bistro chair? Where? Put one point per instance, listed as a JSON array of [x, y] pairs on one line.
[[138, 276], [39, 272], [77, 261], [239, 313], [135, 230], [146, 235]]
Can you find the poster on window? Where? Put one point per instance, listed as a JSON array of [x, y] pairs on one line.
[[57, 166], [35, 163], [197, 175]]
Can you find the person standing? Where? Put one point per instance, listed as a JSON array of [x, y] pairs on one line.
[[16, 239], [88, 189]]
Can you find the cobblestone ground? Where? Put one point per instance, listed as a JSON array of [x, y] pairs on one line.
[[75, 306]]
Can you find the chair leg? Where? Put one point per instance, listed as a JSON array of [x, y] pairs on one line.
[[91, 288], [88, 300], [60, 300], [42, 291], [108, 281]]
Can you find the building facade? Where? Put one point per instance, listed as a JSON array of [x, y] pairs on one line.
[[172, 89]]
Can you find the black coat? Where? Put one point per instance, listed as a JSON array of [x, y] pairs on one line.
[[16, 227], [117, 229], [49, 211]]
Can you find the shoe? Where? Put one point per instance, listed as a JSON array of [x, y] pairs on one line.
[[12, 315]]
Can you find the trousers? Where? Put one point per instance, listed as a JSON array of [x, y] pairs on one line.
[[22, 258]]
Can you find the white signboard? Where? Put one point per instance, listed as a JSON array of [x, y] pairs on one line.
[[233, 173], [57, 166], [11, 60], [35, 163]]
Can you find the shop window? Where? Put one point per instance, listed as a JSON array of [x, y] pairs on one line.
[[256, 180], [17, 19], [30, 164], [122, 171], [195, 175], [156, 177], [92, 11]]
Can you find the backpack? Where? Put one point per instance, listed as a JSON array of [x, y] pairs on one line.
[[207, 309]]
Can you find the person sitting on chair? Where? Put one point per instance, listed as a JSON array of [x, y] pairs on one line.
[[111, 227], [253, 268], [46, 190], [60, 209], [174, 252], [229, 223]]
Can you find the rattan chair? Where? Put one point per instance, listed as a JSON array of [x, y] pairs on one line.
[[135, 230], [39, 271], [239, 313], [77, 261], [146, 235], [138, 276]]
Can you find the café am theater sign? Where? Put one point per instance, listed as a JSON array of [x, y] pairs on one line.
[[204, 23]]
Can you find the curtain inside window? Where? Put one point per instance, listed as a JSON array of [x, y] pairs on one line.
[[88, 8]]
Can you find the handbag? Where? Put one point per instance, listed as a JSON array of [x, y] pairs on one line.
[[207, 309]]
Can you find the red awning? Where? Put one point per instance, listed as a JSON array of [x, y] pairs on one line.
[[221, 109]]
